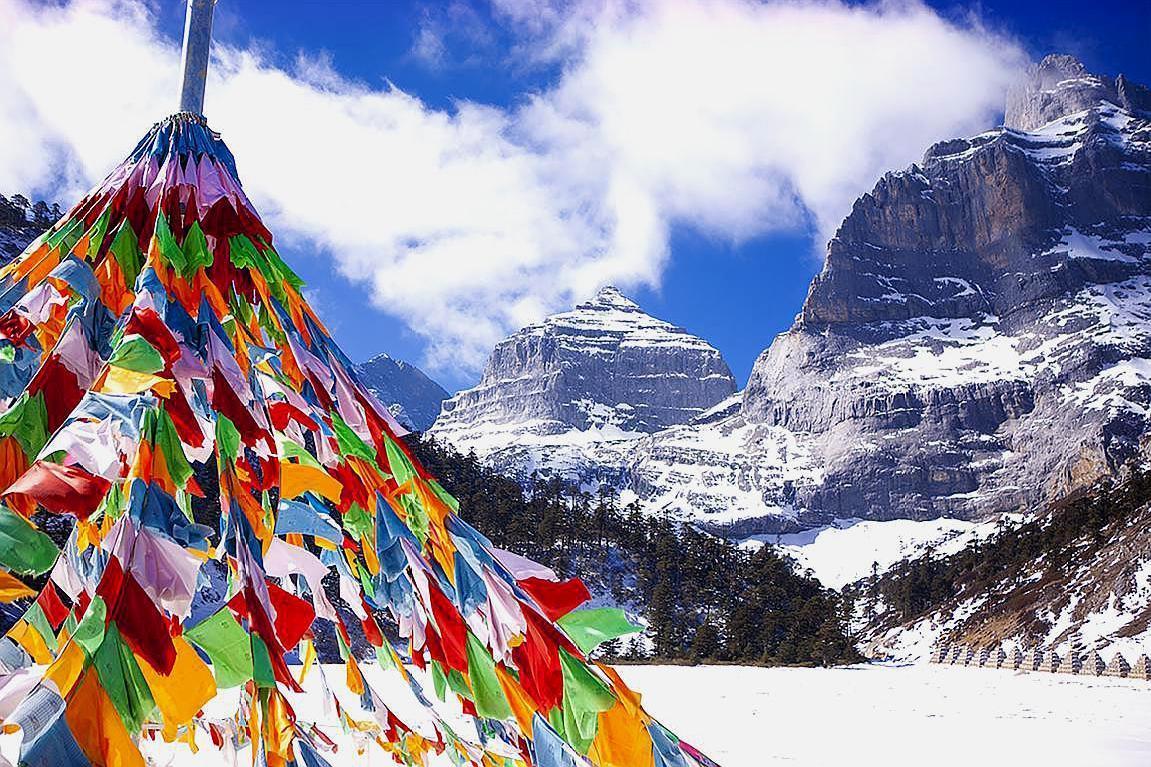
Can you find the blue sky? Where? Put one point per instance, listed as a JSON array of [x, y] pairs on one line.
[[734, 273]]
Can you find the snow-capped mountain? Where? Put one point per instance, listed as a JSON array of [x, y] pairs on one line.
[[571, 395], [412, 397], [977, 342]]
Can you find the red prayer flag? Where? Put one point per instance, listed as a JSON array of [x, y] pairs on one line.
[[140, 622], [556, 598], [61, 489], [453, 632], [54, 609]]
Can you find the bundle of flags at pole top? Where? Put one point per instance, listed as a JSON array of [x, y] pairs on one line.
[[195, 487]]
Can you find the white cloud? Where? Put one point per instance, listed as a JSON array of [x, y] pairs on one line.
[[731, 117]]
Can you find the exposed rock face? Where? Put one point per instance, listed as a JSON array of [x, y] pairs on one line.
[[603, 373], [978, 340], [13, 241], [412, 397], [1060, 85]]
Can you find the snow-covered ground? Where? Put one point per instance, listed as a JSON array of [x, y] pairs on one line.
[[900, 716], [749, 717], [844, 551]]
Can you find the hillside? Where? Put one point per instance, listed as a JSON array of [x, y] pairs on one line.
[[21, 222], [1078, 576]]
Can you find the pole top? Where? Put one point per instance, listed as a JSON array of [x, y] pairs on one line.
[[197, 45]]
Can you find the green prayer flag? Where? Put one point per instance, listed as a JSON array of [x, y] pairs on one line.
[[135, 353], [166, 441], [398, 464], [584, 697], [169, 249], [38, 620], [228, 646], [350, 442], [27, 420], [448, 499], [97, 233], [417, 517], [591, 628], [89, 633], [439, 681], [459, 685], [23, 548], [489, 695], [113, 504], [261, 663], [245, 255], [123, 681], [282, 269], [358, 523], [66, 236], [292, 450], [126, 251], [227, 438], [195, 249]]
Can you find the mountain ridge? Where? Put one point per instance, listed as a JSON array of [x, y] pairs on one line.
[[978, 341]]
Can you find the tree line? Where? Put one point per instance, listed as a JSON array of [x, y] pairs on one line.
[[703, 597], [1073, 527], [17, 212]]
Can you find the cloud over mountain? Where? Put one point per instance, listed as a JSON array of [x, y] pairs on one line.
[[729, 117]]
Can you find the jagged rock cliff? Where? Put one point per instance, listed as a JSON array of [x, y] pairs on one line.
[[564, 395], [412, 397], [978, 340]]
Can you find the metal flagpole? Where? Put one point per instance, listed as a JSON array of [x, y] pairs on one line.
[[194, 67]]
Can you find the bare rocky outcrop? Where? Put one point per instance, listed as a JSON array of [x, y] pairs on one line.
[[21, 222], [408, 393]]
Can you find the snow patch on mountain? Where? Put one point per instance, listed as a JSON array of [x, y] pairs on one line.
[[721, 473], [845, 551]]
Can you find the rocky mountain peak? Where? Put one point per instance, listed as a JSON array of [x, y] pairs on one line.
[[978, 341], [1060, 85], [610, 296], [603, 370]]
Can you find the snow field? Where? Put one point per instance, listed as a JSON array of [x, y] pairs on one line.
[[897, 716], [856, 716]]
